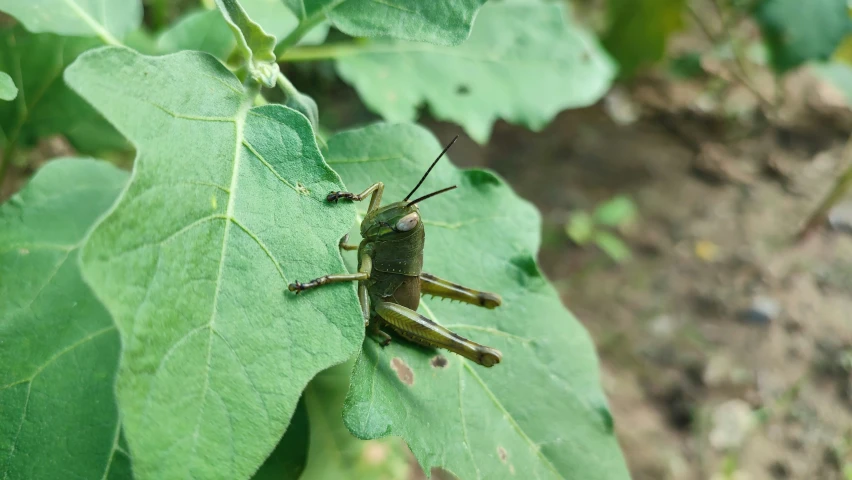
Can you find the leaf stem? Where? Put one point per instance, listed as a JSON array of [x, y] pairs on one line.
[[300, 31], [329, 51]]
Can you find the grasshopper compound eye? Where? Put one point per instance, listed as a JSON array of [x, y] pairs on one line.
[[407, 222]]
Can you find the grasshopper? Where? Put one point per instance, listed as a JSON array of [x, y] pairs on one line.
[[391, 279]]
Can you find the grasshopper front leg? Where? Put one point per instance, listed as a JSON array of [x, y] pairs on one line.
[[375, 200], [432, 285], [419, 329]]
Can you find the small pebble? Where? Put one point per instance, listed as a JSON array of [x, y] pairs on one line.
[[732, 422], [840, 217], [762, 311]]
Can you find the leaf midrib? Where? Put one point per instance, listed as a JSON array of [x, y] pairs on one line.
[[239, 123], [100, 30]]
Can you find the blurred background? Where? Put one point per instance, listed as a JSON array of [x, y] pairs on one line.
[[694, 219]]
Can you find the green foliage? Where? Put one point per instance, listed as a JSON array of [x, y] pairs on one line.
[[523, 63], [60, 347], [584, 228], [108, 19], [797, 31], [8, 90], [638, 31], [543, 344], [45, 105], [160, 298]]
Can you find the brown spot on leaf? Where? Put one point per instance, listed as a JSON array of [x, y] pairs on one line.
[[403, 371], [503, 454], [439, 361]]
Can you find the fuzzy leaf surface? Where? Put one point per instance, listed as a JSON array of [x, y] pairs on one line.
[[226, 206]]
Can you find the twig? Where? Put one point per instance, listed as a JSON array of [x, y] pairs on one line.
[[841, 185]]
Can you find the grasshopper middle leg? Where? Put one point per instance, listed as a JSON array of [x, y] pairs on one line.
[[432, 285], [362, 275]]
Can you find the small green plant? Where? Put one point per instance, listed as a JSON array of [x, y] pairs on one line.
[[145, 323], [602, 226]]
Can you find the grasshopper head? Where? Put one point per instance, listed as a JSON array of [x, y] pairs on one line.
[[398, 219]]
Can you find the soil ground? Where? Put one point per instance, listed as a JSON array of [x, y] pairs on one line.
[[702, 386]]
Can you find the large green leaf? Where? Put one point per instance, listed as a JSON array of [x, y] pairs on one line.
[[60, 348], [45, 105], [445, 22], [798, 31], [226, 206], [638, 30], [540, 413], [523, 63], [108, 19], [334, 452]]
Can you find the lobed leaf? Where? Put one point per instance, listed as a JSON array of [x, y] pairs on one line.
[[540, 413], [255, 45], [797, 32], [108, 19], [45, 105], [523, 63], [60, 347], [226, 206]]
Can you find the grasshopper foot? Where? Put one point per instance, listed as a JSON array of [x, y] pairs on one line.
[[297, 287], [335, 196]]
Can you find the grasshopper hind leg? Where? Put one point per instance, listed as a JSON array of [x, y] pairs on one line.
[[419, 329]]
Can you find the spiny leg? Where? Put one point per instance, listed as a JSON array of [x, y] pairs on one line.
[[376, 189], [363, 274], [432, 285], [419, 329]]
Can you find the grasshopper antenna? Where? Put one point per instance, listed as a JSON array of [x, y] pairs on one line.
[[424, 197], [430, 169]]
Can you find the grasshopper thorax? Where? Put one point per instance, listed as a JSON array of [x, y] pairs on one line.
[[396, 220]]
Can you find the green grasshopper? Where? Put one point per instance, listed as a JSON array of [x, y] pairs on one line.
[[391, 279]]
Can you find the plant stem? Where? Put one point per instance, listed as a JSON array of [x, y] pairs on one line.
[[837, 192], [320, 52], [303, 28]]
